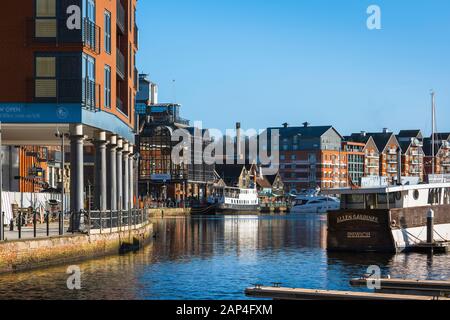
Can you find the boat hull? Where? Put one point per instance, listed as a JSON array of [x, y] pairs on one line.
[[237, 209], [394, 230]]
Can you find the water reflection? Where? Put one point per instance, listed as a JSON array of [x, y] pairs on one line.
[[216, 258]]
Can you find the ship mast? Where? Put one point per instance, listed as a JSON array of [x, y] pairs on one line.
[[433, 130]]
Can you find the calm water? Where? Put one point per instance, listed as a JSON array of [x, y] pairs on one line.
[[217, 258]]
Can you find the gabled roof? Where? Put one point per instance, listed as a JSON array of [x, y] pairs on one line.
[[442, 136], [411, 134], [381, 139], [428, 147], [304, 132], [271, 178], [263, 183], [362, 138]]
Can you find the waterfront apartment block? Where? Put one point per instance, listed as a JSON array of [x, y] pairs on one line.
[[371, 153], [441, 156], [355, 152], [310, 157], [71, 71], [411, 144]]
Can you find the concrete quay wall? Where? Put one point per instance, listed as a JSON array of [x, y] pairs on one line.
[[29, 254]]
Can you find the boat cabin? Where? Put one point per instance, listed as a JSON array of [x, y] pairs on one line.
[[405, 196]]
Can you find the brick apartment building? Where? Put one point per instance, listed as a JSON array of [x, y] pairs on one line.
[[441, 155], [411, 144], [371, 153], [310, 157], [70, 68]]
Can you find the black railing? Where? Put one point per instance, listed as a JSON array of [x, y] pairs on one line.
[[91, 95], [54, 31], [168, 119], [120, 17], [136, 36], [91, 36], [120, 64], [53, 90], [33, 225]]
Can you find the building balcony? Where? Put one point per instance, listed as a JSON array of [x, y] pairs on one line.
[[445, 163], [51, 90], [136, 36], [392, 151], [392, 170], [120, 68], [54, 32], [120, 17]]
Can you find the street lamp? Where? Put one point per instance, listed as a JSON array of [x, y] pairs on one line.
[[62, 136]]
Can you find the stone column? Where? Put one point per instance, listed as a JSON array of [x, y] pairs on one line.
[[131, 175], [112, 171], [126, 177], [119, 174], [76, 174], [101, 198]]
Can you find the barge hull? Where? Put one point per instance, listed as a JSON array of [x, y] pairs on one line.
[[384, 230]]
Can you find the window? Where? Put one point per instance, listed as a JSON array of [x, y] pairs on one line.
[[46, 8], [108, 32], [107, 86], [45, 82], [89, 85], [45, 23]]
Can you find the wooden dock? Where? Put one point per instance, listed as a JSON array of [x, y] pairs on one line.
[[279, 293], [405, 286]]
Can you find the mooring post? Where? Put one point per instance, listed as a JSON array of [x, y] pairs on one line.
[[34, 224], [430, 226]]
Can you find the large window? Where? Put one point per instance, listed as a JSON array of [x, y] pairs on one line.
[[108, 32], [45, 82], [89, 85], [45, 23], [108, 86]]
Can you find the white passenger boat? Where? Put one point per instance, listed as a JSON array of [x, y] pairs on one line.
[[229, 200]]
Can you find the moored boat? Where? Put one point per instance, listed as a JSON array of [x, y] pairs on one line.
[[388, 218], [229, 200]]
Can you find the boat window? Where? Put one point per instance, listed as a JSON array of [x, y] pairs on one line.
[[416, 194], [382, 198], [355, 199]]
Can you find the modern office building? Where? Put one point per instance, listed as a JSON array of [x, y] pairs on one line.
[[71, 69]]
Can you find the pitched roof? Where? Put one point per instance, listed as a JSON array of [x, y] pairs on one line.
[[263, 183], [306, 132], [271, 178], [428, 147], [441, 136], [358, 137], [381, 139], [410, 133]]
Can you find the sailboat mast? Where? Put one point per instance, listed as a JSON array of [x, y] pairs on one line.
[[433, 129]]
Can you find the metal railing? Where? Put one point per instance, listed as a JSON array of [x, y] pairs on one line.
[[30, 226], [136, 36], [120, 64], [120, 17], [65, 90], [54, 31]]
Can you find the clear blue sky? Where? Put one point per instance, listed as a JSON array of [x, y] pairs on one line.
[[273, 61]]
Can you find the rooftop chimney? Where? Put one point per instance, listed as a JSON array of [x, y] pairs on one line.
[[385, 130], [238, 141], [305, 124], [363, 133], [285, 125]]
